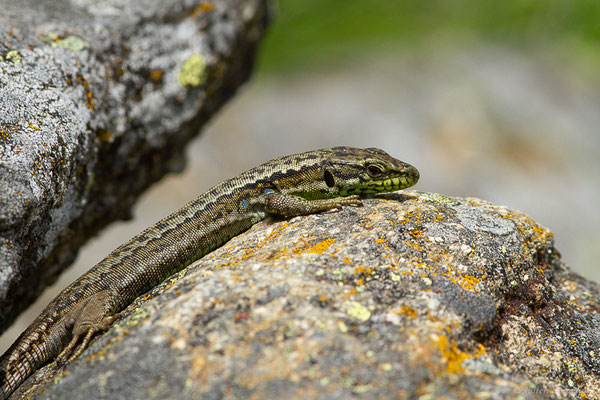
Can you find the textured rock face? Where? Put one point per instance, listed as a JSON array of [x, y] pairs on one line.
[[415, 295], [97, 100]]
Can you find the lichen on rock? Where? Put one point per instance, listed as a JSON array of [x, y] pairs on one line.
[[412, 297]]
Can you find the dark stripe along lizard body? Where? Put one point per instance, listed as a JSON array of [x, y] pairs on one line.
[[299, 184]]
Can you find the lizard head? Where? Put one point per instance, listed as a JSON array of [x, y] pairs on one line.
[[366, 171]]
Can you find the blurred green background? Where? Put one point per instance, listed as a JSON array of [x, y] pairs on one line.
[[309, 33]]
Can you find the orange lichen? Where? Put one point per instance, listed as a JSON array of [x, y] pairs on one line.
[[321, 247], [467, 282], [454, 356], [205, 6], [156, 75], [103, 135], [362, 270], [409, 311], [268, 239]]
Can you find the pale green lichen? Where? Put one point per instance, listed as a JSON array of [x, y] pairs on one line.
[[140, 315], [137, 317], [442, 199], [360, 389], [193, 72], [49, 38], [387, 367], [358, 311], [71, 42], [13, 56]]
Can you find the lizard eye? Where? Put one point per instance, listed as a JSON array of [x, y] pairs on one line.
[[374, 171]]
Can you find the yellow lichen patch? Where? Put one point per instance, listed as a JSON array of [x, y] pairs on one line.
[[453, 356], [193, 71], [321, 247]]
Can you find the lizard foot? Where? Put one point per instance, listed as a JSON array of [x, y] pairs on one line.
[[352, 200], [81, 340]]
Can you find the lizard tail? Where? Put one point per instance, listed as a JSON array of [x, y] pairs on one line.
[[26, 355], [13, 373], [8, 380]]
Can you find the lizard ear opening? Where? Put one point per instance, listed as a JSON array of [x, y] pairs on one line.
[[329, 181]]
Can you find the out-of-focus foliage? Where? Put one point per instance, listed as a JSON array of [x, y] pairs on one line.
[[309, 32]]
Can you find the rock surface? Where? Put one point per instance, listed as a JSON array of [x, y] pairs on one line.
[[97, 100], [414, 295]]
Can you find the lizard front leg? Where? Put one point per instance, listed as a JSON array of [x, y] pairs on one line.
[[288, 205]]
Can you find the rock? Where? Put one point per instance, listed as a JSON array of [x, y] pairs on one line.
[[97, 101], [414, 295]]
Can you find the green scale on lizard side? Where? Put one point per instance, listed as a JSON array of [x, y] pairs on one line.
[[299, 184]]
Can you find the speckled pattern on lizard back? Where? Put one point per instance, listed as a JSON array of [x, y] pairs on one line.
[[294, 185]]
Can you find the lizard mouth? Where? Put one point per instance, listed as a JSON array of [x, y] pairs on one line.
[[391, 184], [398, 180]]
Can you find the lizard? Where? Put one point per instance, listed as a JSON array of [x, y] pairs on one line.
[[299, 184]]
